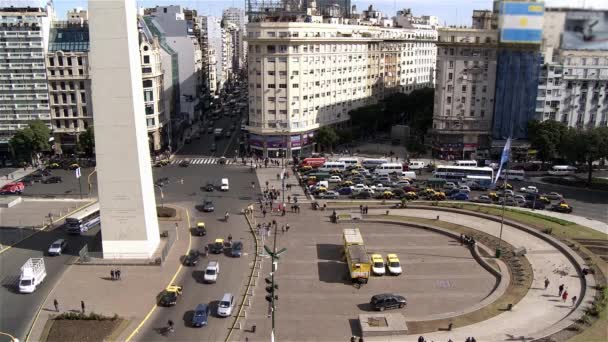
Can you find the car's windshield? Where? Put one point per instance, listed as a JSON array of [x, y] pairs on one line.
[[378, 264], [26, 282], [56, 245], [210, 271], [224, 304], [394, 264]]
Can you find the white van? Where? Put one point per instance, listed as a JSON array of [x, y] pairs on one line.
[[349, 161], [416, 164], [471, 163], [409, 174], [225, 306], [328, 166], [224, 186], [562, 170], [388, 168]]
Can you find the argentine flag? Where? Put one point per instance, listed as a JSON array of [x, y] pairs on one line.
[[521, 22], [506, 151]]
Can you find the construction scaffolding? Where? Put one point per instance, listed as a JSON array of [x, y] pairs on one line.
[[294, 10]]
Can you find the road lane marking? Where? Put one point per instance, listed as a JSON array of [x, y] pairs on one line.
[[170, 282]]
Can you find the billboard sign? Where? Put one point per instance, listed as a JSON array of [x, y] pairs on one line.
[[585, 30], [521, 22]]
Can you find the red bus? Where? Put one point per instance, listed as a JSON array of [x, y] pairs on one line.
[[314, 162]]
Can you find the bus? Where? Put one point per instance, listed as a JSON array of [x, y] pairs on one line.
[[349, 161], [373, 163], [328, 166], [562, 170], [83, 220], [313, 162], [459, 173], [472, 163], [513, 174], [389, 168], [478, 182]]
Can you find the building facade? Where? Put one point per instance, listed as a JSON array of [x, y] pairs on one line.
[[305, 75], [24, 93], [464, 95]]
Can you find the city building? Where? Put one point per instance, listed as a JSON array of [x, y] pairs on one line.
[[482, 19], [573, 86], [24, 94], [212, 37], [67, 68], [169, 23], [311, 72], [464, 95], [236, 16]]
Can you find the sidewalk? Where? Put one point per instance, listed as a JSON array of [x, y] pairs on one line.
[[269, 175], [15, 175], [538, 312], [130, 297]]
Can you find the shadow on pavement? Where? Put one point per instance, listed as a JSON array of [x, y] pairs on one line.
[[333, 272], [326, 251]]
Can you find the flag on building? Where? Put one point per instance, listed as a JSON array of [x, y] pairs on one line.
[[506, 151]]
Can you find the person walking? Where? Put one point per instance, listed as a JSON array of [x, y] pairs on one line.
[[353, 339], [56, 304], [574, 300], [287, 227], [82, 306], [561, 289], [420, 339], [546, 283], [264, 212], [565, 296], [112, 275]]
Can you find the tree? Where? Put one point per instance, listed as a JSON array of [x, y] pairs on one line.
[[326, 136], [546, 138], [30, 141], [86, 142], [586, 146], [345, 135]]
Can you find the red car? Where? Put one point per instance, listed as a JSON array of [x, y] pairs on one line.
[[12, 188]]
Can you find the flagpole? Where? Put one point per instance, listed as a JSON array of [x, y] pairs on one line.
[[504, 159]]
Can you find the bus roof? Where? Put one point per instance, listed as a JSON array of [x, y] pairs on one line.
[[479, 177], [454, 167], [79, 215]]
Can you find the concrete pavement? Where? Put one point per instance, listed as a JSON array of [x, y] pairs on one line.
[[15, 175], [269, 175]]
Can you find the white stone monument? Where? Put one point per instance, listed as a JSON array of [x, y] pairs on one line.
[[129, 226]]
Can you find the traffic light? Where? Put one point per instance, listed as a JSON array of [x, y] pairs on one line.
[[272, 286]]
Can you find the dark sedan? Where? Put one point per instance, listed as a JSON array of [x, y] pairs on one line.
[[209, 187], [201, 315], [52, 180], [208, 206], [184, 163], [534, 205], [192, 258], [237, 249]]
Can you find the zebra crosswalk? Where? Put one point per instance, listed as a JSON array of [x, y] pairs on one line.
[[202, 161]]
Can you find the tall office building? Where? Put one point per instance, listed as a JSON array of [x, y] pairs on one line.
[[310, 73], [236, 16], [464, 95], [24, 93]]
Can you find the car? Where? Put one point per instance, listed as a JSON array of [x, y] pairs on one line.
[[184, 163], [437, 196], [192, 258], [402, 183], [162, 181], [12, 188], [345, 191], [208, 206], [493, 196], [211, 272], [393, 264], [222, 160], [507, 192], [328, 195], [334, 179], [509, 201], [519, 199], [200, 229], [73, 166], [410, 195], [213, 147], [534, 205], [163, 162], [562, 208], [201, 315], [464, 188], [361, 195], [170, 295], [359, 187], [210, 130], [228, 134], [482, 199], [209, 187], [385, 301], [378, 266], [218, 246], [386, 195], [225, 306], [224, 184], [236, 250], [449, 186], [461, 196], [380, 187], [347, 183], [554, 196], [505, 185], [452, 192], [529, 189], [58, 247]]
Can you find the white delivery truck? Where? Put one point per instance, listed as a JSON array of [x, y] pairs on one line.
[[33, 273]]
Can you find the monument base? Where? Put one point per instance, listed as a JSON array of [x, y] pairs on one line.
[[130, 249], [382, 324]]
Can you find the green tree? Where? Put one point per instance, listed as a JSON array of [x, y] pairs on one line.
[[546, 138], [586, 146], [326, 137], [28, 142], [365, 120], [86, 142], [345, 135]]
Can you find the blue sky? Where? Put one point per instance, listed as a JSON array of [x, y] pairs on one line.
[[452, 12]]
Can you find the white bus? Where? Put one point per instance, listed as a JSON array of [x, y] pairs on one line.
[[513, 174], [328, 166], [478, 182], [373, 163], [349, 161], [460, 173], [472, 163], [83, 220], [389, 168], [562, 170]]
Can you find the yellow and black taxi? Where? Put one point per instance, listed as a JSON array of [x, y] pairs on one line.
[[393, 264], [218, 246], [200, 229], [169, 295]]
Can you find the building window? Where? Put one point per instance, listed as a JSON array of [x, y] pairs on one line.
[[295, 85], [282, 85], [271, 73], [463, 99], [464, 87], [271, 85], [449, 100], [83, 97], [451, 65], [271, 49], [450, 76], [69, 61], [148, 95], [146, 59], [79, 60], [149, 109], [472, 113], [51, 61]]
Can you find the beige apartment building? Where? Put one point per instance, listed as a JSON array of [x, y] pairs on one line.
[[303, 76], [464, 95]]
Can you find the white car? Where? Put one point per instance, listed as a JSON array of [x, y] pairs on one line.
[[334, 179], [211, 272], [57, 247], [449, 186], [380, 187], [520, 199], [393, 264], [225, 306], [529, 189], [465, 189], [359, 187], [225, 185], [378, 266]]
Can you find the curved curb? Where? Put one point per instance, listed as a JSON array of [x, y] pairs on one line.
[[503, 277], [587, 283]]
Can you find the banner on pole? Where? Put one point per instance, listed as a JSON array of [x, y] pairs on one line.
[[506, 151], [78, 174]]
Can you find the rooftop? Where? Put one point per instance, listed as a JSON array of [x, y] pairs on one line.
[[69, 38]]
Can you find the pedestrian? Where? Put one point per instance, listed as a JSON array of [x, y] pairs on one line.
[[574, 300], [82, 306], [561, 289], [283, 229], [473, 339], [118, 273], [461, 239], [288, 199], [264, 212], [56, 304], [565, 296], [229, 237], [420, 339], [283, 211], [361, 208], [112, 274], [468, 339], [287, 227], [360, 338], [546, 283]]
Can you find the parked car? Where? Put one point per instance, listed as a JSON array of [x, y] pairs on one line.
[[345, 191], [554, 196], [58, 247], [334, 179], [201, 315], [482, 199], [393, 264], [529, 189], [328, 195], [385, 301], [509, 201], [12, 188], [449, 186], [378, 266], [461, 196], [519, 199], [534, 205], [464, 188], [361, 195], [237, 249], [208, 206], [52, 180], [192, 258]]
